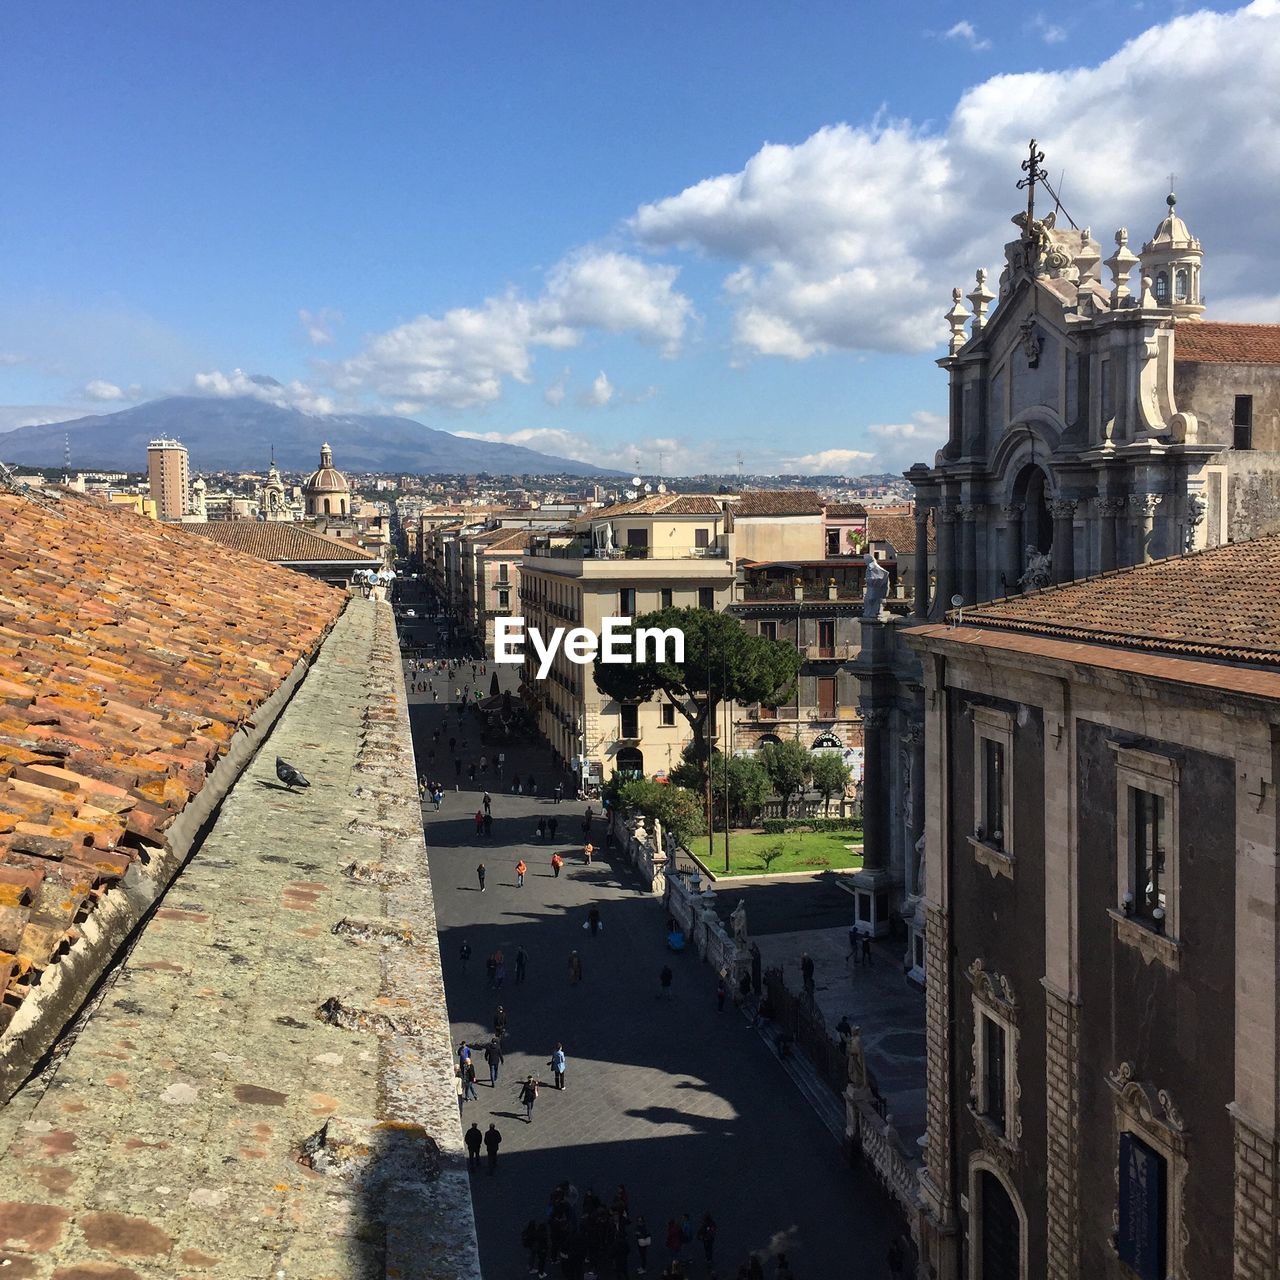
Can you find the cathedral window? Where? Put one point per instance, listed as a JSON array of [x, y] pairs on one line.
[[1180, 286], [1161, 288]]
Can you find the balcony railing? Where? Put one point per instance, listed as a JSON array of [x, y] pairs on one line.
[[829, 652], [780, 592], [716, 551]]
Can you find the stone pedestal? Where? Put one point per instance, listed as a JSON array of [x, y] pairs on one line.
[[873, 901]]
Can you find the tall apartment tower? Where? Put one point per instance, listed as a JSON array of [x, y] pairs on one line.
[[169, 477]]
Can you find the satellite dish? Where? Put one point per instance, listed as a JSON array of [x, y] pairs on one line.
[[635, 480], [662, 488], [957, 601], [648, 488]]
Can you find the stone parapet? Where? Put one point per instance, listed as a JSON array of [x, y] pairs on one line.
[[1257, 1204], [1062, 1081]]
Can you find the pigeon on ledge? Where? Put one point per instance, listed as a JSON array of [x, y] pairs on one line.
[[289, 775]]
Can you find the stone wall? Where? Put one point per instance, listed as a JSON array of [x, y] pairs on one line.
[[1062, 1069], [1257, 1228]]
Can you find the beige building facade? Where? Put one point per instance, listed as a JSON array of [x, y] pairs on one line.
[[620, 561]]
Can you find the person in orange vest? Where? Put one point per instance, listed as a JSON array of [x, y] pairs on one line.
[[556, 863], [587, 851], [520, 870]]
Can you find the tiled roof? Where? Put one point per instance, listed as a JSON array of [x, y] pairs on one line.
[[281, 542], [840, 509], [778, 502], [1211, 342], [509, 540], [900, 531], [669, 504], [1223, 603], [130, 652]]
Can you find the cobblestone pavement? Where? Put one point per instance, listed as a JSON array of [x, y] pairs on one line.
[[685, 1106]]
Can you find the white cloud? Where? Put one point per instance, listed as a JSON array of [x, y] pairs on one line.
[[829, 462], [13, 416], [463, 358], [100, 389], [291, 395], [902, 443], [965, 32], [9, 359], [1049, 32], [555, 392], [671, 455], [319, 325], [599, 393], [852, 238]]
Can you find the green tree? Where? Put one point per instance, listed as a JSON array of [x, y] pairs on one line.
[[789, 767], [678, 809], [830, 777], [722, 663], [749, 786]]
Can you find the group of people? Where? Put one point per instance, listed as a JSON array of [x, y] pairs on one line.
[[590, 1239]]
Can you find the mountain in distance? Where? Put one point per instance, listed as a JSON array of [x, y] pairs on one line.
[[237, 433]]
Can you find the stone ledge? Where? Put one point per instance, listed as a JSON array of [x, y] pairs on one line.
[[1146, 941], [995, 860]]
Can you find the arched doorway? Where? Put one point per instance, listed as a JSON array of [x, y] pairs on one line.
[[768, 740], [630, 761], [1032, 490], [1000, 1243]]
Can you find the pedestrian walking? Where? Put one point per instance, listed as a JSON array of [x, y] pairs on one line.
[[593, 920], [474, 1140], [492, 1141], [707, 1235], [499, 1022], [575, 968], [556, 863], [552, 824], [532, 786], [493, 1056], [866, 950], [437, 798], [528, 1096], [480, 876], [491, 969], [464, 1052], [464, 954], [806, 971], [500, 968], [643, 1241], [587, 851], [586, 822], [469, 1093], [559, 791], [488, 824], [520, 870], [665, 979], [471, 772], [675, 1240], [557, 1065], [542, 829], [722, 993], [479, 821], [487, 803], [522, 963]]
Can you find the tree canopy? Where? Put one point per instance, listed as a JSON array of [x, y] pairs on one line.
[[789, 767], [830, 777], [722, 663]]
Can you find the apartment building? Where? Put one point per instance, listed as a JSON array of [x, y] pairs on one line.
[[620, 561], [169, 478]]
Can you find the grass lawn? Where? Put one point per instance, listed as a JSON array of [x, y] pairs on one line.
[[803, 851]]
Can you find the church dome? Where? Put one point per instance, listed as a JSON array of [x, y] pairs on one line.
[[326, 490]]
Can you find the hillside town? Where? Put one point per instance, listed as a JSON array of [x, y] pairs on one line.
[[942, 863]]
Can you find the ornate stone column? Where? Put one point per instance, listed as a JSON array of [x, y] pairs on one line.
[[1109, 512], [968, 514], [920, 572], [1012, 512], [872, 885], [1143, 506], [1064, 553], [946, 558]]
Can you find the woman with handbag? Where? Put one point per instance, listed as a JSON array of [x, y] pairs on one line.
[[528, 1096]]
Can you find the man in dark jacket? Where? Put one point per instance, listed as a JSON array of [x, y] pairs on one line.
[[474, 1139], [493, 1056], [492, 1141]]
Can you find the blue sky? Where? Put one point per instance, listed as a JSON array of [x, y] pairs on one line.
[[600, 229]]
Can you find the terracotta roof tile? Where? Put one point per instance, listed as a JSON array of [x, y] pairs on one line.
[[845, 509], [129, 654], [1223, 603], [280, 542], [778, 502], [899, 531], [1213, 342]]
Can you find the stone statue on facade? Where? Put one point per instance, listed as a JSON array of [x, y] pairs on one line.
[[877, 587], [1039, 570], [917, 866], [738, 922]]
